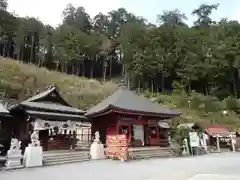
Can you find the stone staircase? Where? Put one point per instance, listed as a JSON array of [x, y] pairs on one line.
[[63, 157], [150, 152]]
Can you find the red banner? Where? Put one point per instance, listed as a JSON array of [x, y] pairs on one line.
[[117, 146]]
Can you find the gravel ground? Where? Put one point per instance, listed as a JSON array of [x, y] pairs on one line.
[[223, 166]]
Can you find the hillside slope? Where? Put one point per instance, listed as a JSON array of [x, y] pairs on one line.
[[20, 81]]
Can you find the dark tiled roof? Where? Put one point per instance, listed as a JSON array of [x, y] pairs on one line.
[[50, 91], [52, 106], [53, 115], [128, 100], [41, 95], [41, 102]]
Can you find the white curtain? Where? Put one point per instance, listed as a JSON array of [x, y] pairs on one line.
[[40, 124]]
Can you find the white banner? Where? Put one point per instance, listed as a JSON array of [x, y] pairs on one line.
[[40, 124]]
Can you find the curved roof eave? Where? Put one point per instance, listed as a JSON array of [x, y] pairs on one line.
[[128, 111]]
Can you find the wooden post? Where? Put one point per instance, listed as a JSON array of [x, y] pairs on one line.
[[82, 134], [74, 140], [88, 136]]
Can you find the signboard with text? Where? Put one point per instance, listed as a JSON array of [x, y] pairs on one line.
[[194, 139], [117, 146]]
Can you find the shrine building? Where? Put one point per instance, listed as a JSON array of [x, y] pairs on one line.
[[125, 112]]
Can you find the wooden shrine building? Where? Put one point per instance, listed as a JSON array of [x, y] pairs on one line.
[[55, 120], [125, 112], [4, 115], [8, 126]]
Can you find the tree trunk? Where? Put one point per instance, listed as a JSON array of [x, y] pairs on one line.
[[104, 70], [63, 67], [152, 85], [4, 50], [33, 48], [66, 67], [128, 80], [39, 63], [110, 67], [19, 53], [57, 65], [73, 70], [123, 70], [139, 84], [163, 82], [83, 69], [189, 86], [206, 88], [78, 68], [92, 67], [9, 45], [234, 87]]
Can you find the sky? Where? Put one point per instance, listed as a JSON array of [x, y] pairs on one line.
[[52, 14]]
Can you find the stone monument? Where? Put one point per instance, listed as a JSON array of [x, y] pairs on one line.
[[97, 138], [33, 155], [34, 139], [14, 155], [97, 148]]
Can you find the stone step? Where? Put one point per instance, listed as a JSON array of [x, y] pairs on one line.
[[52, 158], [65, 153], [152, 156], [154, 149], [64, 157], [49, 163], [151, 153]]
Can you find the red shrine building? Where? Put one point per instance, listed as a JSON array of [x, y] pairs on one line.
[[125, 112]]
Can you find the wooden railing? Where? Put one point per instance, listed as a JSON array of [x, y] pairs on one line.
[[159, 142], [58, 144]]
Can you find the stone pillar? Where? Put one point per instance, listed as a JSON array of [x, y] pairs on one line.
[[218, 145], [97, 148], [205, 142], [33, 155], [233, 141]]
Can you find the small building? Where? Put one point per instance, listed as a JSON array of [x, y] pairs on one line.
[[56, 120], [125, 112], [215, 131], [211, 136]]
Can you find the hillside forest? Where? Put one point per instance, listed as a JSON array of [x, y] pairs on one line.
[[158, 57]]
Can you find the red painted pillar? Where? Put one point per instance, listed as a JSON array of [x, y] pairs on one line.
[[129, 134], [117, 127], [157, 134]]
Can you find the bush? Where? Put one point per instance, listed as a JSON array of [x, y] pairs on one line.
[[231, 103], [21, 81]]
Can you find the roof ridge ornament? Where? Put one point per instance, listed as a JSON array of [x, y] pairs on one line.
[[51, 86]]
